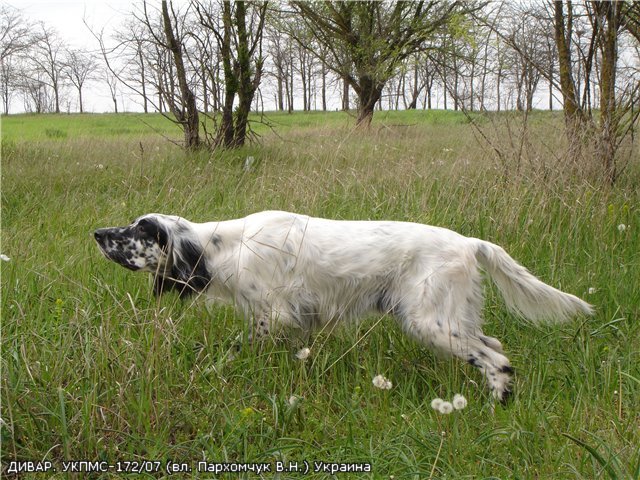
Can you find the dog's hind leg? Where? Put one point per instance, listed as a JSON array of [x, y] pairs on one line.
[[484, 353]]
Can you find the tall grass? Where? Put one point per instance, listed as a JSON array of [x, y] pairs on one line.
[[94, 367]]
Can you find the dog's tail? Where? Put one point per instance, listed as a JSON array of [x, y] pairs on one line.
[[523, 293]]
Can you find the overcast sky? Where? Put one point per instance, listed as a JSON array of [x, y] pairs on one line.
[[66, 17]]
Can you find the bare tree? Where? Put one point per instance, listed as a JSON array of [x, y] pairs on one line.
[[277, 48], [79, 67], [135, 50], [112, 82], [185, 110], [48, 59], [563, 28], [16, 35], [8, 82], [17, 38], [240, 42]]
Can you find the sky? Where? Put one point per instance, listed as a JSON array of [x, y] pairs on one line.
[[67, 18]]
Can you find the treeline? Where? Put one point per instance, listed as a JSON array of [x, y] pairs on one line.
[[223, 59]]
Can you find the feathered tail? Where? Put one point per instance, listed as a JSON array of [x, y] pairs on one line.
[[523, 293]]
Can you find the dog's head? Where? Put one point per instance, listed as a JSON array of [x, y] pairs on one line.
[[161, 245]]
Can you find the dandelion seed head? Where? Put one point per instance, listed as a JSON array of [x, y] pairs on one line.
[[459, 402], [445, 408], [382, 383], [622, 227], [592, 290], [4, 258], [435, 403], [303, 353]]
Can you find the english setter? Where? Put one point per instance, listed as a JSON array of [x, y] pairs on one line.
[[283, 269]]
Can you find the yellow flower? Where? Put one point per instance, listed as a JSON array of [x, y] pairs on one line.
[[247, 412]]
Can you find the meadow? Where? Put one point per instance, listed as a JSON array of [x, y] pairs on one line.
[[95, 368]]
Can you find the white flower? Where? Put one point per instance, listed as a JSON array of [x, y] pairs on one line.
[[382, 383], [294, 400], [445, 408], [303, 353], [592, 290], [459, 402], [622, 227], [100, 166], [435, 403], [4, 258]]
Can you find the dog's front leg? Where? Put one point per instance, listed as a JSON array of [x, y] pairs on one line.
[[257, 330], [259, 327]]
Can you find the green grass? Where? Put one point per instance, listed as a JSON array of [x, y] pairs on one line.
[[95, 368]]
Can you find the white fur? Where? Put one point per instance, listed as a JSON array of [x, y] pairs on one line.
[[284, 269]]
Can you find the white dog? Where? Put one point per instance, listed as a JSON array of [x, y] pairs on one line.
[[283, 269]]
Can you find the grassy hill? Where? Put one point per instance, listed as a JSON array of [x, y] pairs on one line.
[[94, 367]]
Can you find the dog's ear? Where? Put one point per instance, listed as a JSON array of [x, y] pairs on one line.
[[189, 273], [163, 284]]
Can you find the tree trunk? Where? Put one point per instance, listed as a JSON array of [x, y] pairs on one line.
[[280, 93], [368, 94], [416, 92], [572, 111], [188, 114], [324, 87], [226, 131], [143, 82], [609, 14], [56, 94], [246, 85], [345, 95]]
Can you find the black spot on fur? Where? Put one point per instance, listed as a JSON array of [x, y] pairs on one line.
[[152, 230], [507, 369], [473, 361], [188, 274], [189, 266], [506, 396], [385, 303], [216, 240]]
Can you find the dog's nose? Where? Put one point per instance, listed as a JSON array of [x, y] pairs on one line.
[[99, 234]]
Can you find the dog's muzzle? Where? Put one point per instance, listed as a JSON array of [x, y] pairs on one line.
[[105, 240], [100, 235]]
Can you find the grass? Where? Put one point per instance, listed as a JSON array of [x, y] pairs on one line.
[[95, 368]]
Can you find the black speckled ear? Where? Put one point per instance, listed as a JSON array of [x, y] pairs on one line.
[[188, 271]]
